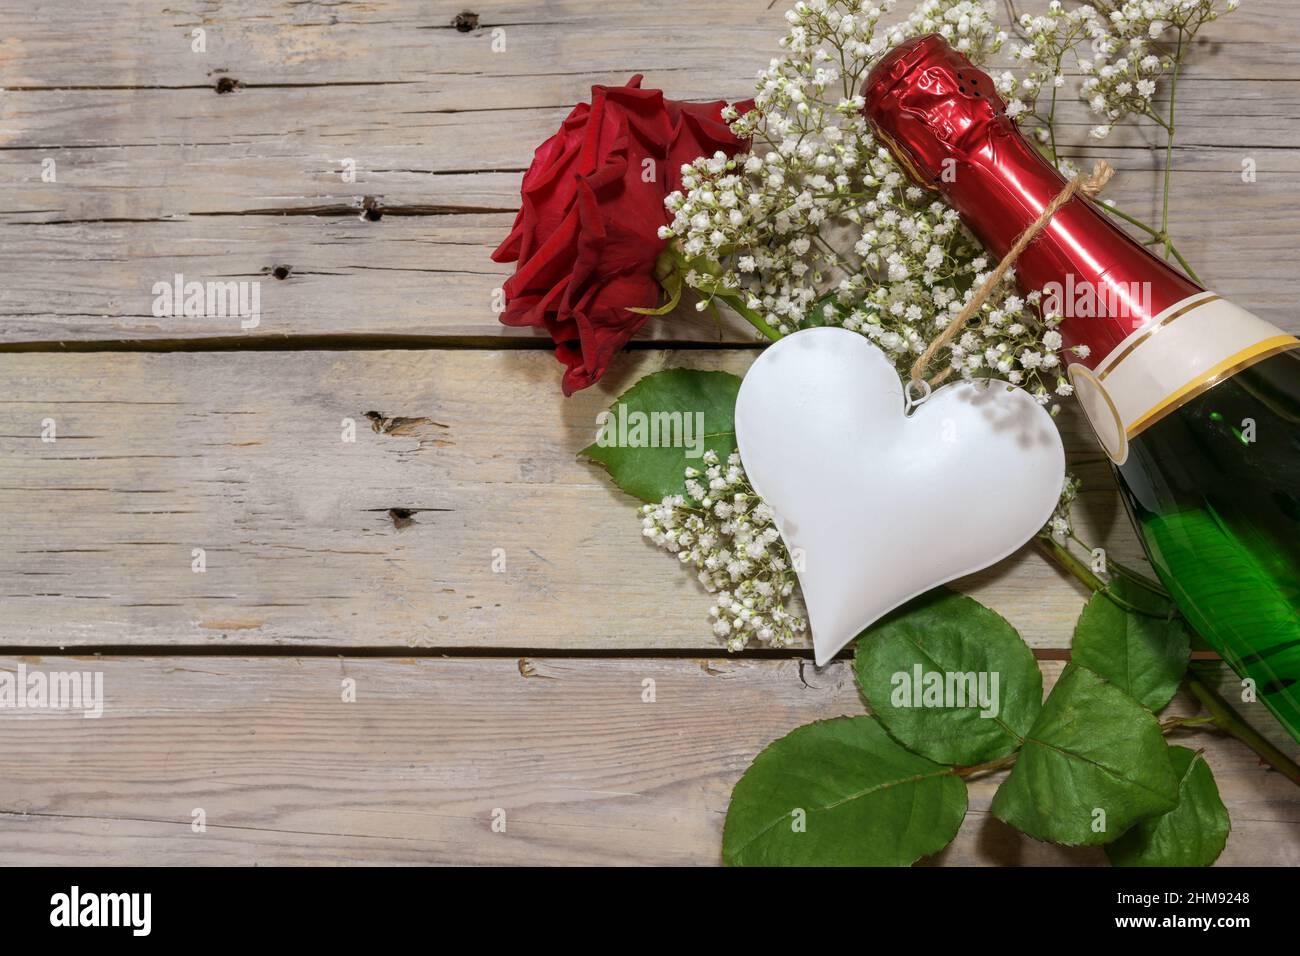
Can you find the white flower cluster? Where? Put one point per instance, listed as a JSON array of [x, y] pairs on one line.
[[967, 24], [1061, 525], [727, 533], [1047, 40], [819, 225], [1128, 52], [1008, 341]]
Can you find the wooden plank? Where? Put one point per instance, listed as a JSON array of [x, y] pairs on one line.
[[240, 454], [413, 770], [423, 127], [384, 42], [90, 277], [147, 153], [427, 279]]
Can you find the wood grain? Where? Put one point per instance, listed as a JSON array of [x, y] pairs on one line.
[[385, 545], [392, 42], [242, 454], [412, 772], [159, 174], [81, 260]]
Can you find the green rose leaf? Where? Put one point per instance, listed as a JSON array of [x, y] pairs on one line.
[[841, 793], [1192, 834], [1144, 656], [654, 431], [934, 668], [1093, 764], [1153, 603]]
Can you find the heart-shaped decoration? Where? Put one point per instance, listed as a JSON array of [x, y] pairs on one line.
[[876, 505]]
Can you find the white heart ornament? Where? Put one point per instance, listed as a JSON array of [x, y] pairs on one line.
[[881, 505]]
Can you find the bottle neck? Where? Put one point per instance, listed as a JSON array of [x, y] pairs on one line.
[[1104, 283]]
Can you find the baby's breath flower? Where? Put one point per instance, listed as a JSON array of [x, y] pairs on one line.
[[832, 230], [1061, 526], [818, 224], [729, 535], [1131, 53]]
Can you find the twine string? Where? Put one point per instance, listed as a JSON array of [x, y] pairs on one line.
[[1090, 185]]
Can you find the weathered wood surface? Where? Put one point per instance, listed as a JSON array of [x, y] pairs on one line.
[[242, 454], [160, 174], [88, 276], [285, 772]]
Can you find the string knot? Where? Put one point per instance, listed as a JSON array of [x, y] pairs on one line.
[[1090, 185], [1096, 181]]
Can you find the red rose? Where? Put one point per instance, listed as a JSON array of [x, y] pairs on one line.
[[587, 235]]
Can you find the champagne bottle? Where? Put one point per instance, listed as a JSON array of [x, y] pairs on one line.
[[1195, 400]]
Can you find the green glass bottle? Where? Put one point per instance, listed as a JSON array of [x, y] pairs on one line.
[[1196, 401], [1214, 492]]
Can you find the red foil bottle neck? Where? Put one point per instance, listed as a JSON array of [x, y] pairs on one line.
[[945, 122]]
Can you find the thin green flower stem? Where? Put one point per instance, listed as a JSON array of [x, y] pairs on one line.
[[844, 68], [1155, 587], [1191, 273], [1015, 20], [734, 303], [1224, 717], [1149, 230], [1062, 555], [1227, 720], [1169, 143], [1175, 723], [1141, 580], [1156, 118], [835, 257], [1051, 113], [1156, 237]]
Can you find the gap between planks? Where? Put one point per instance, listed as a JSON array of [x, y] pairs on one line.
[[398, 652], [585, 767], [345, 341]]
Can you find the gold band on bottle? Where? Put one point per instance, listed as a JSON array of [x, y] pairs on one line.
[[1145, 333], [1225, 369], [1182, 353]]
